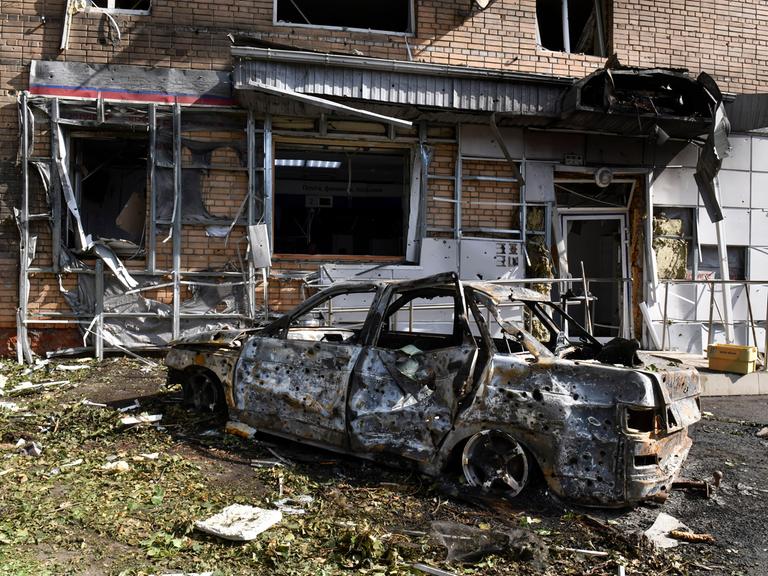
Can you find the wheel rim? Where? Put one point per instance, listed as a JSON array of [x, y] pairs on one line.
[[205, 392], [495, 461]]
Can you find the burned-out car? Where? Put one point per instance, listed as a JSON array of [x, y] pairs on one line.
[[440, 373]]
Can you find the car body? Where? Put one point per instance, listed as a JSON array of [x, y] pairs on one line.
[[462, 382]]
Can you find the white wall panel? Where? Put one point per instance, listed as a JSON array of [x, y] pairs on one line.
[[759, 190], [740, 153], [478, 140], [759, 218], [553, 145], [736, 225], [760, 153], [734, 188], [675, 187]]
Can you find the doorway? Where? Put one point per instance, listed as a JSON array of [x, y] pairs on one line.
[[598, 241]]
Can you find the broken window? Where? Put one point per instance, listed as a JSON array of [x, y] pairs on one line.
[[110, 180], [395, 16], [130, 5], [673, 242], [573, 194], [709, 266], [576, 26], [341, 202], [337, 318]]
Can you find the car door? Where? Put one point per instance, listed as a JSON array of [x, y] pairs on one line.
[[405, 389], [293, 380]]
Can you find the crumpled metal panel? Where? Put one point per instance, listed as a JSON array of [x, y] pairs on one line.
[[406, 409], [296, 387]]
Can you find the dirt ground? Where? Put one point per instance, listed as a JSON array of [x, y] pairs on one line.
[[66, 512]]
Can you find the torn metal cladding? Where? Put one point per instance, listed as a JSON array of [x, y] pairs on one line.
[[602, 434]]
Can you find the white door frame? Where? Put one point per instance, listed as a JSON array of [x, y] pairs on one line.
[[621, 216]]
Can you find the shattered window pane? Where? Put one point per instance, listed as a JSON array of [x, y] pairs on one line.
[[392, 16], [343, 202], [336, 319], [142, 5], [673, 242], [709, 266], [581, 35], [111, 182]]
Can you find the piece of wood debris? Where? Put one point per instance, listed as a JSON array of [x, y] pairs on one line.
[[583, 551], [239, 522], [141, 419], [27, 386], [239, 429], [692, 537], [431, 570]]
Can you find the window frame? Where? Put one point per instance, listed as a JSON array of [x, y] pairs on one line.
[[333, 145], [600, 30], [119, 11], [410, 33]]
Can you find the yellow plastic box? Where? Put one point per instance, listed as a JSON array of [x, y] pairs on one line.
[[732, 358]]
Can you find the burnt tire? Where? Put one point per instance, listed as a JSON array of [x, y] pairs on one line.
[[494, 461], [203, 392]]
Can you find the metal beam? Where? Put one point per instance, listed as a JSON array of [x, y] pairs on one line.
[[268, 179], [151, 231], [252, 185], [328, 104], [177, 193], [54, 190], [22, 343]]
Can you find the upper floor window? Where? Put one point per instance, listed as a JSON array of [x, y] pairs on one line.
[[574, 26], [141, 6], [392, 17]]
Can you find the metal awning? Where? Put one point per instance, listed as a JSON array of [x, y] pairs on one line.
[[381, 81]]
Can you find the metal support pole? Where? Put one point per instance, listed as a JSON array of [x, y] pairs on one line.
[[710, 334], [99, 338], [177, 192], [151, 232], [725, 275], [765, 343], [751, 317], [601, 49], [22, 343], [252, 176], [664, 322], [566, 26], [55, 195], [457, 187], [268, 178]]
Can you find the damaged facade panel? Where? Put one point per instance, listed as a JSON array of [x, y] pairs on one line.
[[478, 390]]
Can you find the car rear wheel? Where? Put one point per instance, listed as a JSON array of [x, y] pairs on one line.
[[203, 391], [495, 461]]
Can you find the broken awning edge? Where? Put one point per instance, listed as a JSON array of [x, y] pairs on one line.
[[326, 103], [129, 83], [404, 66], [85, 93]]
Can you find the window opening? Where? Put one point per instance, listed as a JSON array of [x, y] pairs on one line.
[[709, 266], [425, 319], [132, 5], [392, 16], [111, 176], [344, 202], [338, 318], [590, 195], [576, 26], [673, 242]]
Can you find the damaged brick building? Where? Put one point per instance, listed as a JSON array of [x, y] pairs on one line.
[[173, 165]]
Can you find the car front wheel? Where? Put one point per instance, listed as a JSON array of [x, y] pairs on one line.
[[495, 461], [203, 391]]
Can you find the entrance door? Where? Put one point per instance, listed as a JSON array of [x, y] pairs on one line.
[[599, 242]]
